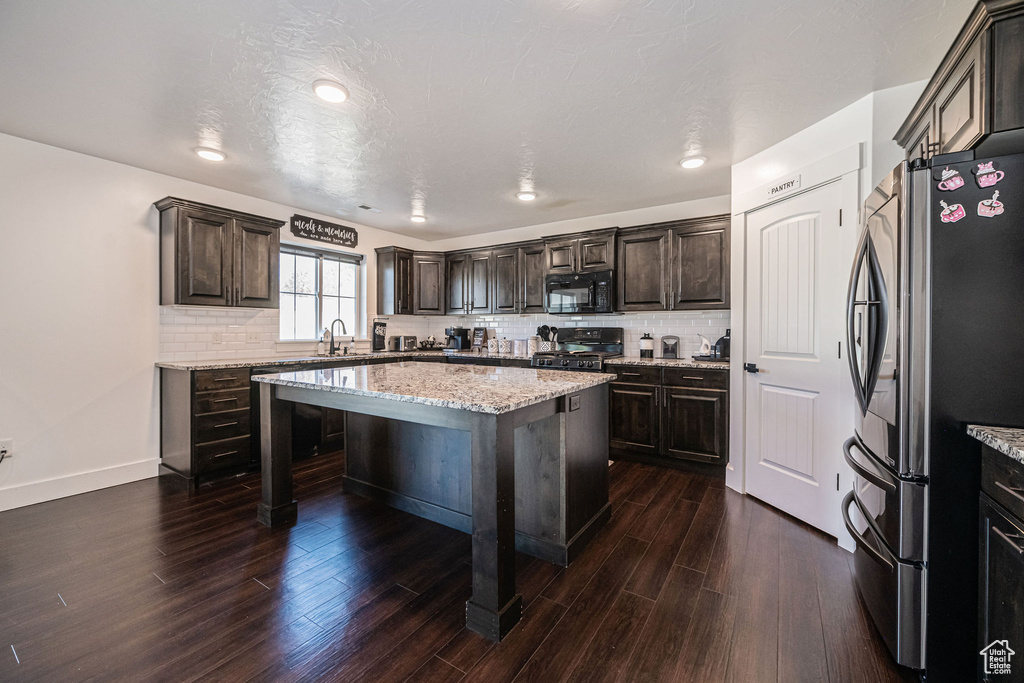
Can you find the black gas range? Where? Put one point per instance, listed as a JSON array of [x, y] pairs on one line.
[[581, 349]]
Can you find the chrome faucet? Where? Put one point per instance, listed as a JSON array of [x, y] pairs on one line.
[[334, 349]]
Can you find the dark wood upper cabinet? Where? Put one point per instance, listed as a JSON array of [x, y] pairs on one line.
[[456, 275], [642, 270], [679, 265], [478, 280], [210, 256], [1001, 578], [506, 281], [532, 269], [394, 281], [974, 95], [589, 252], [562, 256], [428, 288], [695, 424], [700, 265], [256, 265]]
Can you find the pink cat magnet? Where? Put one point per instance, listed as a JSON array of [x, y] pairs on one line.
[[987, 175], [951, 214], [989, 208], [951, 180]]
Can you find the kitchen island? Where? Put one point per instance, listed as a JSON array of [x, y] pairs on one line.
[[516, 456]]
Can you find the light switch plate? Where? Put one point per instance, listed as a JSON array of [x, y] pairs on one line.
[[574, 403], [252, 337], [218, 337]]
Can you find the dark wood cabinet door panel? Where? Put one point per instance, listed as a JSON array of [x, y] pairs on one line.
[[428, 291], [921, 139], [220, 426], [256, 265], [479, 280], [643, 270], [456, 272], [695, 424], [597, 252], [219, 401], [633, 417], [635, 374], [696, 378], [562, 256], [403, 282], [332, 430], [223, 455], [506, 281], [205, 259], [1001, 576], [532, 269], [1007, 74], [700, 267], [958, 106]]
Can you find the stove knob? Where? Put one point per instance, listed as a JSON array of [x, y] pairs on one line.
[[590, 363], [565, 363]]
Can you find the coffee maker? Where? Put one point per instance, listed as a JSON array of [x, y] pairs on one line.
[[458, 338]]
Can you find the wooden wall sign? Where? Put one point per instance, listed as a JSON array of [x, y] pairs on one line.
[[322, 231]]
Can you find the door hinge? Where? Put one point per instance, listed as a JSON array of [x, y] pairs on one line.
[[837, 481], [839, 350], [840, 218]]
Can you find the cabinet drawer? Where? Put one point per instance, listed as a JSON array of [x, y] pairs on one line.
[[214, 380], [699, 379], [1002, 478], [219, 401], [220, 426], [635, 374], [229, 453]]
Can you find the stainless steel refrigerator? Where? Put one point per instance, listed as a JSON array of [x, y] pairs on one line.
[[936, 327]]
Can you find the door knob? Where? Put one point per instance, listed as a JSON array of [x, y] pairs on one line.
[[751, 367]]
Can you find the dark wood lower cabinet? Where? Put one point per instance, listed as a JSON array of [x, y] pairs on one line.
[[633, 417], [695, 424], [671, 415]]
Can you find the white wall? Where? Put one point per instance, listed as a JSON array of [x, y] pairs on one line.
[[79, 315]]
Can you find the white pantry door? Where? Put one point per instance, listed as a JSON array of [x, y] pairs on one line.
[[796, 287]]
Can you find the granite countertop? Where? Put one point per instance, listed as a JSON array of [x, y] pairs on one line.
[[476, 388], [1006, 440], [312, 360], [670, 363]]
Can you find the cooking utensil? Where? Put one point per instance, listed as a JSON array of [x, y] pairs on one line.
[[553, 334], [545, 332]]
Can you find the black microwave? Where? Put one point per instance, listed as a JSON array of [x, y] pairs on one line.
[[578, 293]]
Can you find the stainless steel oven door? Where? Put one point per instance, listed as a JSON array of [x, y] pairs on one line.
[[569, 294], [893, 590], [896, 506]]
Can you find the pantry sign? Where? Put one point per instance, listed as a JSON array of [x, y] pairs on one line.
[[322, 231]]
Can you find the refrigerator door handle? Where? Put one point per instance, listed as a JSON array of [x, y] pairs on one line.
[[854, 323], [862, 542], [876, 477]]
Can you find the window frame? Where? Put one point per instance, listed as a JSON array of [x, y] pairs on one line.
[[320, 255]]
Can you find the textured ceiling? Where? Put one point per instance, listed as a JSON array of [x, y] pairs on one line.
[[454, 104]]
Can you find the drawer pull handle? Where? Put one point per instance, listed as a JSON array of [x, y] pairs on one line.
[[224, 379], [1008, 537], [1016, 493], [630, 374], [226, 424], [224, 455], [225, 400], [698, 379]]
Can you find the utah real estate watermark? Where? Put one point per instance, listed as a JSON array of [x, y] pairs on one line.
[[997, 657]]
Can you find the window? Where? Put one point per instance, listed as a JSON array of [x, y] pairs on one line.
[[316, 288]]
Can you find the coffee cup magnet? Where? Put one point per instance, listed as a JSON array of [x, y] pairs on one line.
[[951, 214], [990, 208], [951, 180], [987, 174]]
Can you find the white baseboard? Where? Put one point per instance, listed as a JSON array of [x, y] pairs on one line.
[[73, 484]]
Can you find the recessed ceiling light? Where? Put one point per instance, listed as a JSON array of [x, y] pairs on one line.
[[527, 196], [210, 154], [418, 219], [330, 91], [693, 162]]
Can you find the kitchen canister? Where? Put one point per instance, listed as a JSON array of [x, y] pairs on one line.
[[504, 346], [547, 346], [521, 347], [646, 346], [492, 346], [533, 345]]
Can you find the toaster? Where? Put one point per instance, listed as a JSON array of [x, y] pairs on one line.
[[402, 343]]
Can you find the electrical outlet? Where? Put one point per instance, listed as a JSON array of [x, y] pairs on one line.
[[218, 337], [574, 403], [7, 447], [252, 337]]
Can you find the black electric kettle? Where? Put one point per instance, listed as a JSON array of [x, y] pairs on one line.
[[722, 346]]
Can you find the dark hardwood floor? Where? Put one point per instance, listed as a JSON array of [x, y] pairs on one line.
[[688, 582]]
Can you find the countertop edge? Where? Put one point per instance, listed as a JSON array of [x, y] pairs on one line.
[[1006, 440]]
